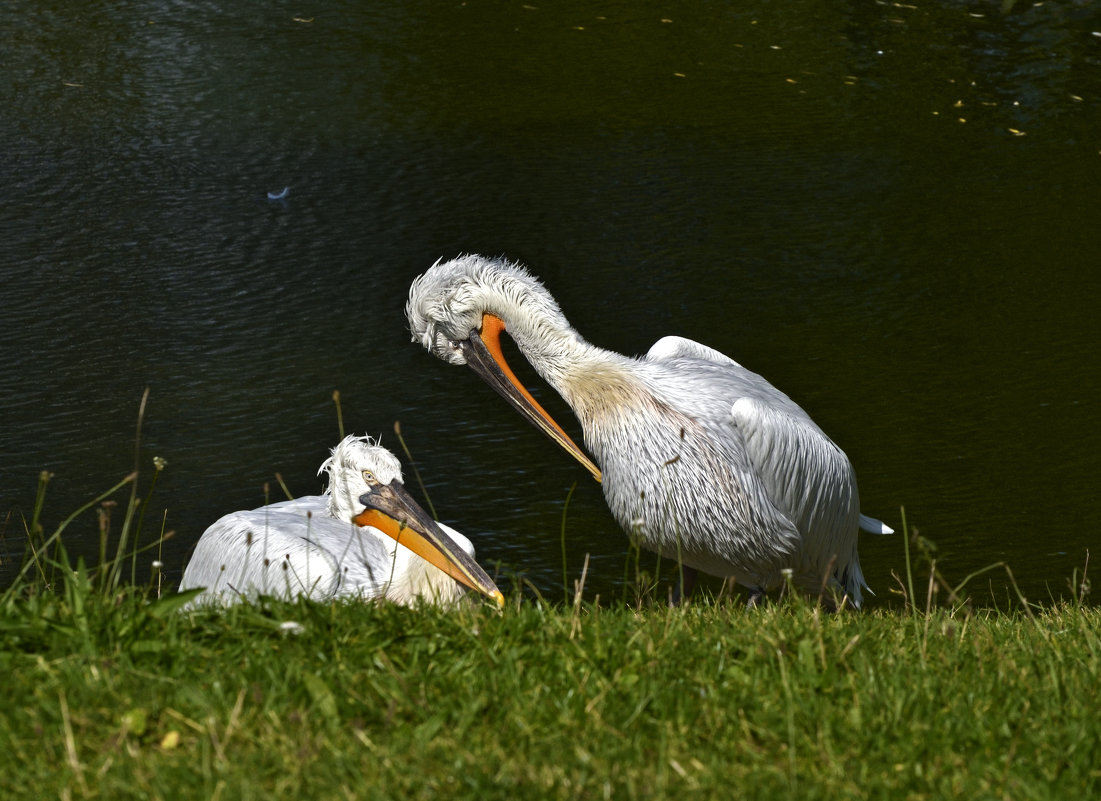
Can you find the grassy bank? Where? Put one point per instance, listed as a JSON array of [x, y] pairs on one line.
[[114, 692], [112, 695]]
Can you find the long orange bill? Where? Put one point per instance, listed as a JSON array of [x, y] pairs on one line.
[[484, 355], [392, 510]]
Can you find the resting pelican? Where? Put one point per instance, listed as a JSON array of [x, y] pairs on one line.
[[701, 460], [364, 537]]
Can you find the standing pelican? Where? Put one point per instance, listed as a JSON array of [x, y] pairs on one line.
[[701, 460], [364, 537]]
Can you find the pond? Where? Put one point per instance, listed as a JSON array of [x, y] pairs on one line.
[[889, 210]]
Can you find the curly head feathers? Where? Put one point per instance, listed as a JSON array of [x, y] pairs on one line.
[[448, 302]]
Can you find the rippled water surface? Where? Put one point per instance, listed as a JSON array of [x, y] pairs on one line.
[[890, 210]]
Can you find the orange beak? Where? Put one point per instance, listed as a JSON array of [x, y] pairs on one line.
[[484, 355], [391, 510]]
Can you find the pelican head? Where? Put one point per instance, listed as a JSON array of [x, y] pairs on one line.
[[365, 486], [450, 301], [347, 467], [458, 310]]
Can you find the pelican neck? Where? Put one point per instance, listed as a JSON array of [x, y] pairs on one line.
[[589, 378]]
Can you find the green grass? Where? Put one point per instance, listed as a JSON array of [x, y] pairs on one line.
[[114, 692], [112, 695]]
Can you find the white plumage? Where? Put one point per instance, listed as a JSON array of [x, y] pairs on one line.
[[701, 460], [311, 547]]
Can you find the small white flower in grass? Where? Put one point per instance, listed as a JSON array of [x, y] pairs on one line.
[[787, 572], [291, 627]]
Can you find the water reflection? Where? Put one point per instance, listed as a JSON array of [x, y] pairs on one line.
[[792, 185]]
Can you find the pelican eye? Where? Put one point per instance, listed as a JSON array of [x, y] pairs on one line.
[[369, 477]]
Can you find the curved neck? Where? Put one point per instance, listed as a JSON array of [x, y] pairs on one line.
[[589, 378]]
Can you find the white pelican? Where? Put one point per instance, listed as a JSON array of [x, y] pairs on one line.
[[364, 537], [701, 460]]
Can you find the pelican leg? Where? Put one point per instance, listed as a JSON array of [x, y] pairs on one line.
[[684, 588], [756, 595]]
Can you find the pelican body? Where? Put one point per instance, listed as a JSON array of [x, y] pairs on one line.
[[701, 460], [364, 537]]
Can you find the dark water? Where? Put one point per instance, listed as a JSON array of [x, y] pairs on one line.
[[890, 210]]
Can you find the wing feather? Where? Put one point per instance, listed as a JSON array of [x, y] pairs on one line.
[[261, 552], [809, 479], [670, 348]]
